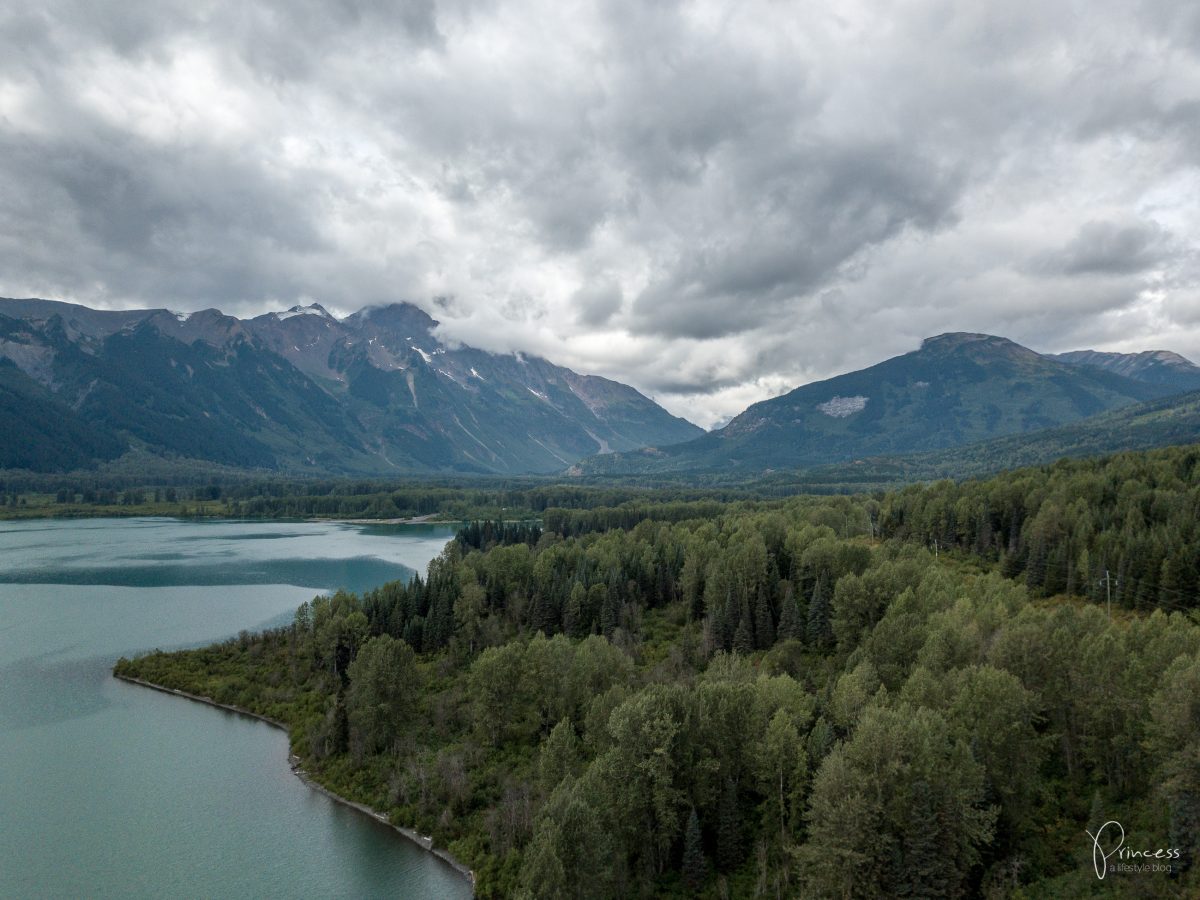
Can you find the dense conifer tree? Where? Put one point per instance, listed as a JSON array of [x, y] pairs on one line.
[[694, 865], [790, 625], [819, 631], [764, 625]]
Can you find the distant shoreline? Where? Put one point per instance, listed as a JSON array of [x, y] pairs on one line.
[[425, 843], [428, 519], [22, 514]]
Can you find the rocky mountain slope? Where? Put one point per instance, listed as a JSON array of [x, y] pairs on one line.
[[1152, 366], [301, 390]]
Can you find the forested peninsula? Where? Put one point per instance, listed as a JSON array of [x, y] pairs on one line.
[[935, 692]]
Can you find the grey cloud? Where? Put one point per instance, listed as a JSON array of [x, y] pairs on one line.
[[596, 303], [128, 217], [1106, 248], [745, 195], [703, 382], [800, 220]]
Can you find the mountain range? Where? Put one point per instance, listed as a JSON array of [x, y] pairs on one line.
[[1165, 422], [1161, 367], [957, 389], [376, 392]]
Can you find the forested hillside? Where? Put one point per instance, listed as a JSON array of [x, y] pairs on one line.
[[902, 696], [1129, 523], [957, 389], [1142, 426]]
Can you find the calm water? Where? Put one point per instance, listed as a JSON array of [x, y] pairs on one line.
[[111, 790]]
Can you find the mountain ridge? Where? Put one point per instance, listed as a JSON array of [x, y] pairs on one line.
[[376, 392], [1153, 366], [1164, 422], [957, 388]]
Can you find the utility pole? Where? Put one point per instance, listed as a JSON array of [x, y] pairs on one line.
[[1108, 583]]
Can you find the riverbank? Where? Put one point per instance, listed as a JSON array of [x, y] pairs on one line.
[[294, 762]]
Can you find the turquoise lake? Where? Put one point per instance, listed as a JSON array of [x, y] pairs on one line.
[[112, 790]]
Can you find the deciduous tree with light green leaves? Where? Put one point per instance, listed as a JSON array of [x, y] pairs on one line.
[[897, 810], [383, 690]]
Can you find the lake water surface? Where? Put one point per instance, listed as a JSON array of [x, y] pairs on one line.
[[112, 790]]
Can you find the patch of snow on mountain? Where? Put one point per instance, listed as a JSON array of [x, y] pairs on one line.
[[537, 394], [425, 356], [840, 407], [475, 374], [182, 317], [313, 310]]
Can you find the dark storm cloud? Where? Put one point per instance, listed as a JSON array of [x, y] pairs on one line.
[[713, 201]]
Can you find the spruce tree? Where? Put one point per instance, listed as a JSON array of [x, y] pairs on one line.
[[820, 741], [574, 621], [543, 874], [339, 730], [694, 865], [610, 614], [726, 621], [543, 616], [924, 870], [1183, 799], [764, 626], [743, 635], [729, 828], [820, 631], [790, 626]]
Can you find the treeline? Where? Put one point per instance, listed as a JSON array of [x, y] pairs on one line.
[[243, 495], [485, 535], [1125, 527], [758, 699], [574, 522], [490, 499]]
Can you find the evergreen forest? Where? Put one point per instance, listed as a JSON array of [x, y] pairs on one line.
[[932, 693]]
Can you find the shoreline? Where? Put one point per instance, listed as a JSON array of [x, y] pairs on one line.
[[33, 514], [425, 843], [427, 519]]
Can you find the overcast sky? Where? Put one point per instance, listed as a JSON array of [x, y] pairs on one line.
[[711, 201]]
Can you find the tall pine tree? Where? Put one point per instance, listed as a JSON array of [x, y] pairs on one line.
[[790, 626], [743, 635], [729, 828], [764, 625], [574, 621], [610, 614], [694, 865], [820, 631]]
